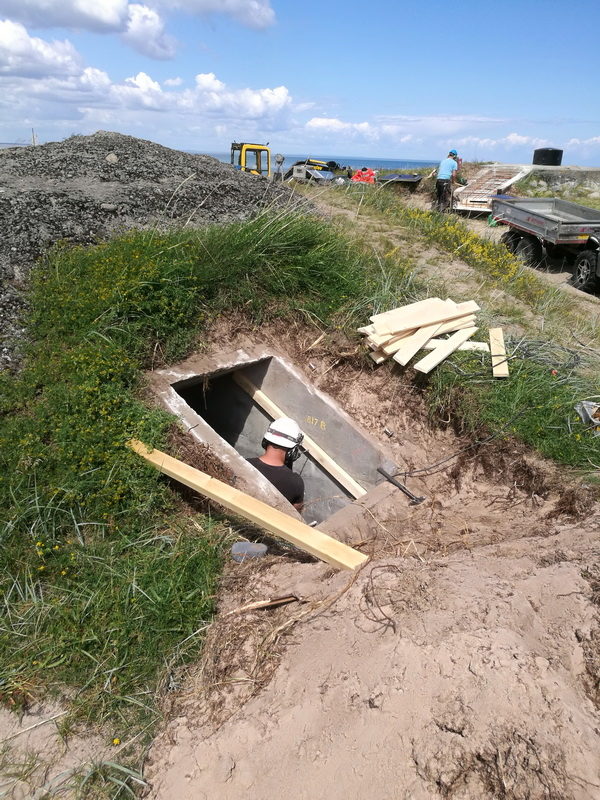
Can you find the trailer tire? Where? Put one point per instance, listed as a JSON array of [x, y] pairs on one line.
[[510, 239], [529, 251], [584, 272]]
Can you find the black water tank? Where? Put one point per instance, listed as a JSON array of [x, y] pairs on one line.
[[548, 156]]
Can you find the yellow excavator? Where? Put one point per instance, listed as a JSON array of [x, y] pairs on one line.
[[256, 159], [253, 158]]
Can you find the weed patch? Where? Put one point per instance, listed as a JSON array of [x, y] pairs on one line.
[[105, 588]]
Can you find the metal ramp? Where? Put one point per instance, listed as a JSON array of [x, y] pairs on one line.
[[488, 182]]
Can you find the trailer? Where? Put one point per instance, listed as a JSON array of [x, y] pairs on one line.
[[490, 181], [552, 228]]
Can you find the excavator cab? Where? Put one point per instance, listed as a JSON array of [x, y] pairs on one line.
[[253, 158]]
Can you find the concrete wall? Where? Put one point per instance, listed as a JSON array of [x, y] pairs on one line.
[[218, 412]]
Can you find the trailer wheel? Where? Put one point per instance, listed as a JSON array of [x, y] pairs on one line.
[[584, 271], [510, 239], [529, 250]]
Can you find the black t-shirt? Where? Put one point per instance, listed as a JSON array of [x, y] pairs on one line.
[[287, 482]]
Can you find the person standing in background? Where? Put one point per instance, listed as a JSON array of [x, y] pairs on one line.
[[446, 178]]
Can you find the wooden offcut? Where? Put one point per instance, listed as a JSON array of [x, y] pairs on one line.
[[498, 351], [481, 346], [444, 350], [441, 311], [271, 519], [445, 327], [329, 465], [412, 345]]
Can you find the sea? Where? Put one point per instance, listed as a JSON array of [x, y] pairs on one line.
[[354, 162]]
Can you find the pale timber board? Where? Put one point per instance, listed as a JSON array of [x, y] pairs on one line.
[[446, 327], [337, 473], [498, 351], [444, 350], [412, 346], [414, 315], [271, 519], [366, 329], [420, 305], [379, 340], [443, 313], [378, 356], [457, 324], [482, 346]]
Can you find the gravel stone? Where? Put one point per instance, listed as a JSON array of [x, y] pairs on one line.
[[87, 188]]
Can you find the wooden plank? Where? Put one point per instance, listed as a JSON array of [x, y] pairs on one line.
[[498, 351], [409, 308], [377, 340], [443, 313], [444, 350], [366, 329], [412, 345], [412, 316], [271, 519], [483, 346], [308, 443], [459, 324], [378, 356]]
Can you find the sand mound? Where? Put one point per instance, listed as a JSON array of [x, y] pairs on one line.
[[461, 678], [462, 662], [87, 187]]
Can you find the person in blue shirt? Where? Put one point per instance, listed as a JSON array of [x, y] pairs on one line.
[[446, 177]]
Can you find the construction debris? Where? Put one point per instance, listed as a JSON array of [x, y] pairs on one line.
[[589, 413], [402, 332]]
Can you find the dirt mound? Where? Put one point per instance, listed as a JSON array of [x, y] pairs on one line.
[[420, 681], [87, 187], [462, 662]]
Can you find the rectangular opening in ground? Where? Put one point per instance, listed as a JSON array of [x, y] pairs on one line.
[[241, 422]]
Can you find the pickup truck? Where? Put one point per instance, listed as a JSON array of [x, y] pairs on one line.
[[552, 228]]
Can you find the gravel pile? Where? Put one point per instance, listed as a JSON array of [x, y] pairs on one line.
[[87, 188]]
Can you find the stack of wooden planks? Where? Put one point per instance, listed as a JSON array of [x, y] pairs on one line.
[[441, 326]]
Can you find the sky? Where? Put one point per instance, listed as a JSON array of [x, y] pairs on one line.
[[384, 79]]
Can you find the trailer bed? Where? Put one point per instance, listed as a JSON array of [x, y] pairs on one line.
[[550, 218]]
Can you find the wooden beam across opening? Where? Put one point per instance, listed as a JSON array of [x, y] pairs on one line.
[[308, 443], [271, 519]]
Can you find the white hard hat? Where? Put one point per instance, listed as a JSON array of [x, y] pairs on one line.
[[284, 432]]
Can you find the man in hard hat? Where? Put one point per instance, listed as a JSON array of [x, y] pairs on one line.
[[281, 443], [446, 177]]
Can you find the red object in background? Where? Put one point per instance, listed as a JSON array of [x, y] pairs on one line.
[[364, 176]]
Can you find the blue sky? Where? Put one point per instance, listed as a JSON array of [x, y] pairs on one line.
[[382, 79]]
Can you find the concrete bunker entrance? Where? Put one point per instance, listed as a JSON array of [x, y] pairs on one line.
[[218, 407]]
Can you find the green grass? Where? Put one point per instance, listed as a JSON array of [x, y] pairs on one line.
[[105, 585], [535, 405]]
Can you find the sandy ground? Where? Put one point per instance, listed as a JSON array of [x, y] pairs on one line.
[[463, 661], [460, 662]]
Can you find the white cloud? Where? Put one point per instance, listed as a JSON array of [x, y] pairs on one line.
[[511, 140], [28, 56], [208, 82], [330, 125], [146, 33], [251, 13], [594, 141], [173, 82], [114, 16], [94, 15]]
